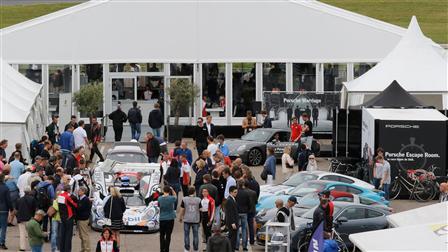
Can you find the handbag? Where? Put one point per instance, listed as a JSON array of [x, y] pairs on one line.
[[108, 221], [289, 166], [264, 174]]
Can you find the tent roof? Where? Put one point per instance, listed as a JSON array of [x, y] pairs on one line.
[[417, 63], [406, 114], [17, 95], [427, 237], [434, 213], [394, 96], [183, 31]]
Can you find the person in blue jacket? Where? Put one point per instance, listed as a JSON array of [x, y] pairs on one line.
[[67, 141], [222, 146], [270, 166]]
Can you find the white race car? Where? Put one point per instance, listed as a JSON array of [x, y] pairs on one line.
[[142, 214], [300, 177]]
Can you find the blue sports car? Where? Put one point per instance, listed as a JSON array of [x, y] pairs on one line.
[[319, 186]]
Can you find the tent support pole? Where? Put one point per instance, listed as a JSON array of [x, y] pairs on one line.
[[346, 132], [336, 132]]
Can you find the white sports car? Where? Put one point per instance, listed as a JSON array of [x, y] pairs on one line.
[[141, 215], [300, 177]]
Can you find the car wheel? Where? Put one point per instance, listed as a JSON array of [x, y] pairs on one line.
[[255, 157]]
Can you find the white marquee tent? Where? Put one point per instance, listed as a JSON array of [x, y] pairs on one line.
[[421, 229], [196, 31], [21, 104], [417, 63]]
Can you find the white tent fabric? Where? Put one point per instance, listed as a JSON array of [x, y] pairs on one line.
[[21, 109], [183, 31], [427, 237], [434, 213], [417, 63], [17, 95]]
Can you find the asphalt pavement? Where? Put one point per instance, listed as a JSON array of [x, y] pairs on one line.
[[150, 242]]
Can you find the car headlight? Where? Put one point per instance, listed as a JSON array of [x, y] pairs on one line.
[[241, 148]]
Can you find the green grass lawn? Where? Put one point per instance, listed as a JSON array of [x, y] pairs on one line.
[[13, 14], [431, 14]]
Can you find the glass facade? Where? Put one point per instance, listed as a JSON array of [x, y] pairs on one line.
[[243, 86], [91, 74], [360, 68], [184, 70], [32, 72], [136, 67], [304, 77], [214, 88], [60, 81], [334, 75], [274, 77]]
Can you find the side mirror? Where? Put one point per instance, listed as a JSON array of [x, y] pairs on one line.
[[342, 220]]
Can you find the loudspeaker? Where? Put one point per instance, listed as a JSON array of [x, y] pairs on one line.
[[256, 107]]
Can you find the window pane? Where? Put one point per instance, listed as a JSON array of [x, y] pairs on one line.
[[354, 190], [123, 89], [360, 68], [214, 88], [373, 214], [60, 81], [346, 180], [91, 74], [354, 213], [304, 76], [334, 75], [243, 75], [149, 87], [274, 77], [32, 72], [181, 69], [184, 111]]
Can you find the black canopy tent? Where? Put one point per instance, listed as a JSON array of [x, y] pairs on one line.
[[348, 122]]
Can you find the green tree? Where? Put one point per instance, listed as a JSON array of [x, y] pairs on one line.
[[89, 99], [181, 93]]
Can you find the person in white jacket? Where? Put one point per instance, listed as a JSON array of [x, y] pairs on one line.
[[312, 163], [287, 162]]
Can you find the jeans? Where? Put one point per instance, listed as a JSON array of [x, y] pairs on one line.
[[195, 228], [166, 228], [135, 130], [218, 215], [118, 133], [386, 188], [376, 182], [250, 222], [3, 226], [242, 221], [156, 132], [54, 235], [37, 248], [65, 235]]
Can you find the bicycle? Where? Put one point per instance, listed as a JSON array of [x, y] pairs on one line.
[[419, 183], [305, 242], [341, 168]]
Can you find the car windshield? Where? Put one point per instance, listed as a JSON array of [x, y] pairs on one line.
[[299, 178], [308, 201], [128, 157], [309, 214], [306, 188], [133, 201], [257, 136]]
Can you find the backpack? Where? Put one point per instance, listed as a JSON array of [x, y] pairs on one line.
[[42, 197]]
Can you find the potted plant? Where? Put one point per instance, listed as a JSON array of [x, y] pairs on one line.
[[181, 95], [88, 100]]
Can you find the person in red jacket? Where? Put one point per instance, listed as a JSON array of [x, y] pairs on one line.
[[207, 212], [296, 130], [67, 206]]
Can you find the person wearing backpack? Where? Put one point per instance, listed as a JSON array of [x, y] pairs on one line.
[[44, 197]]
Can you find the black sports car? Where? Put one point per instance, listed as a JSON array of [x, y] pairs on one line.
[[252, 146]]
